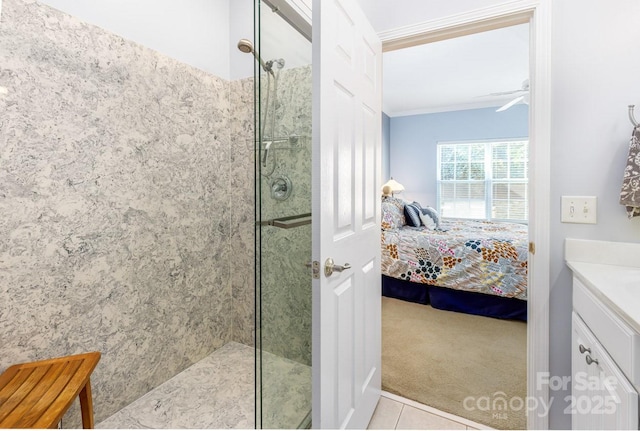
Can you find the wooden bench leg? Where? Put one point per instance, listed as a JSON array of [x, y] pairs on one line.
[[86, 406]]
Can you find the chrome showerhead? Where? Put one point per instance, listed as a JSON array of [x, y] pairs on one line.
[[246, 46]]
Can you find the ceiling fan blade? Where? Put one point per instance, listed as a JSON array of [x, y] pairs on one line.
[[506, 93], [510, 104], [523, 89]]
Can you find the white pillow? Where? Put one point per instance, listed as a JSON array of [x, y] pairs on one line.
[[427, 221], [431, 214]]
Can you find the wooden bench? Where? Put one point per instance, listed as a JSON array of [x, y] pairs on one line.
[[38, 394]]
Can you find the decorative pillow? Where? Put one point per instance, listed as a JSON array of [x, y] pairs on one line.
[[412, 214], [392, 217], [399, 203], [427, 221], [430, 218]]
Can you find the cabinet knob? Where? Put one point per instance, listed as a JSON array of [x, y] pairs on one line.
[[584, 349], [590, 360]]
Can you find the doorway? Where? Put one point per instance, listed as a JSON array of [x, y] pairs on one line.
[[537, 15], [458, 143]]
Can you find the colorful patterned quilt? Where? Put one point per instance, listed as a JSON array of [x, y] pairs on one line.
[[477, 256]]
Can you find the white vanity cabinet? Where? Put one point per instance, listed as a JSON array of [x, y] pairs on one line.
[[601, 396], [605, 342]]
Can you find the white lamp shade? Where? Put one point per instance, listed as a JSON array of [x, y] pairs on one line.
[[395, 186]]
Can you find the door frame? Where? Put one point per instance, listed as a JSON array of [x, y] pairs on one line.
[[538, 14]]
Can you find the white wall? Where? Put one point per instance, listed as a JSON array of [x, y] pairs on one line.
[[195, 32], [241, 27], [392, 14], [595, 75]]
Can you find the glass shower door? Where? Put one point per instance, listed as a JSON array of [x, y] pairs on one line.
[[283, 212]]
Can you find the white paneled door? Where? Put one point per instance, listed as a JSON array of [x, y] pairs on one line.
[[347, 98]]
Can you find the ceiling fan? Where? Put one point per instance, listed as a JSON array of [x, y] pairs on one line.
[[522, 95]]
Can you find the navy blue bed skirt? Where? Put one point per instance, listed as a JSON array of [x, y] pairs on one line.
[[455, 300]]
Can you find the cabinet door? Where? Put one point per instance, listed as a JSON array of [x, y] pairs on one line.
[[602, 398], [581, 372], [615, 386]]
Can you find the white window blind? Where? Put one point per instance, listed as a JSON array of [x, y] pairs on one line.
[[483, 180]]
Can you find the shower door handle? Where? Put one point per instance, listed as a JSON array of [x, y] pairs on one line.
[[330, 267]]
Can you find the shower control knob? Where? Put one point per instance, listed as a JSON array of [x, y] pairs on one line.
[[281, 188], [330, 267]]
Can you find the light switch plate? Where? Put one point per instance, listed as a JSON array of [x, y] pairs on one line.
[[579, 209]]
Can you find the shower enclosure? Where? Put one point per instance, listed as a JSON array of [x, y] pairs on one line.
[[148, 178], [283, 221]]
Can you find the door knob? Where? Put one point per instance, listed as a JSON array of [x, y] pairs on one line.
[[584, 349], [330, 267], [590, 360]]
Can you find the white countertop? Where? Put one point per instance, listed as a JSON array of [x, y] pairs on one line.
[[611, 271]]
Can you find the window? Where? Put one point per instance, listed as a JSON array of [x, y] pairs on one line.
[[483, 180]]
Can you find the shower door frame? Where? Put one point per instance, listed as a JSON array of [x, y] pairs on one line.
[[296, 12], [264, 335]]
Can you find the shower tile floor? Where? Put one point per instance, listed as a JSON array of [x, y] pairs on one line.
[[218, 392]]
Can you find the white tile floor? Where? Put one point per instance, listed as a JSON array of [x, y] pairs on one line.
[[398, 413]]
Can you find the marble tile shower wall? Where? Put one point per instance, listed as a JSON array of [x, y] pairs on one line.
[[121, 193], [286, 283], [241, 196]]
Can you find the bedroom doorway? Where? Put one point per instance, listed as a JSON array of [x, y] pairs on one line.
[[465, 279], [536, 358]]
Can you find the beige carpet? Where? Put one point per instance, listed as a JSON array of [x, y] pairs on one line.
[[440, 358]]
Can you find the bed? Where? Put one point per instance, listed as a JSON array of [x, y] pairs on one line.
[[470, 266]]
